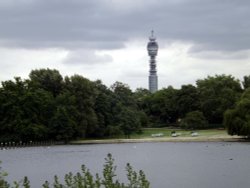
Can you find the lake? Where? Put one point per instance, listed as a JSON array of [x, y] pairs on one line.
[[166, 165]]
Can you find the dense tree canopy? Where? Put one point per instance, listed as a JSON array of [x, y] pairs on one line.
[[237, 120], [187, 100], [49, 107], [161, 106], [217, 94], [246, 82], [47, 79]]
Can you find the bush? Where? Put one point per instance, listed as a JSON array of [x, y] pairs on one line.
[[194, 120], [85, 179]]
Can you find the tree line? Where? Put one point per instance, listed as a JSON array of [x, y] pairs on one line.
[[48, 106]]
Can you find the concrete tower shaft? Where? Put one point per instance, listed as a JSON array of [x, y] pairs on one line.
[[152, 48]]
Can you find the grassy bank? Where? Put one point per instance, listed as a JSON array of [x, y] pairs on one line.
[[183, 136], [148, 132]]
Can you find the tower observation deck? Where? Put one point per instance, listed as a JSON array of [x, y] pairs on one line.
[[152, 48]]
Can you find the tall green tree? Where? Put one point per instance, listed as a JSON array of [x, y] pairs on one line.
[[123, 94], [124, 109], [129, 121], [237, 120], [161, 106], [62, 126], [218, 94], [47, 79], [187, 100], [11, 110], [83, 91], [140, 94], [103, 109], [246, 82], [25, 113]]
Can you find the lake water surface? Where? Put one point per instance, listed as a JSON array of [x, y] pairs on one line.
[[166, 165]]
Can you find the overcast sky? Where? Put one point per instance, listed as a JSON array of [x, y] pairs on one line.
[[106, 39]]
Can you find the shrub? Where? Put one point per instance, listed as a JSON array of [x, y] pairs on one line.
[[194, 120]]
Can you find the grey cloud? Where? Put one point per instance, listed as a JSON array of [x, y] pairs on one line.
[[87, 57], [135, 74], [106, 24], [220, 55]]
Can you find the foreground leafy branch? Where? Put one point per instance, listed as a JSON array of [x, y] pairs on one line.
[[85, 179], [3, 183]]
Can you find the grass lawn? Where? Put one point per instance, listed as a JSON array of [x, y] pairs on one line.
[[147, 132], [183, 136]]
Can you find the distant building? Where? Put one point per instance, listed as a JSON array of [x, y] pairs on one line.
[[152, 48]]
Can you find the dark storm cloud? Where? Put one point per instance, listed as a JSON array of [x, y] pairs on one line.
[[105, 24]]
